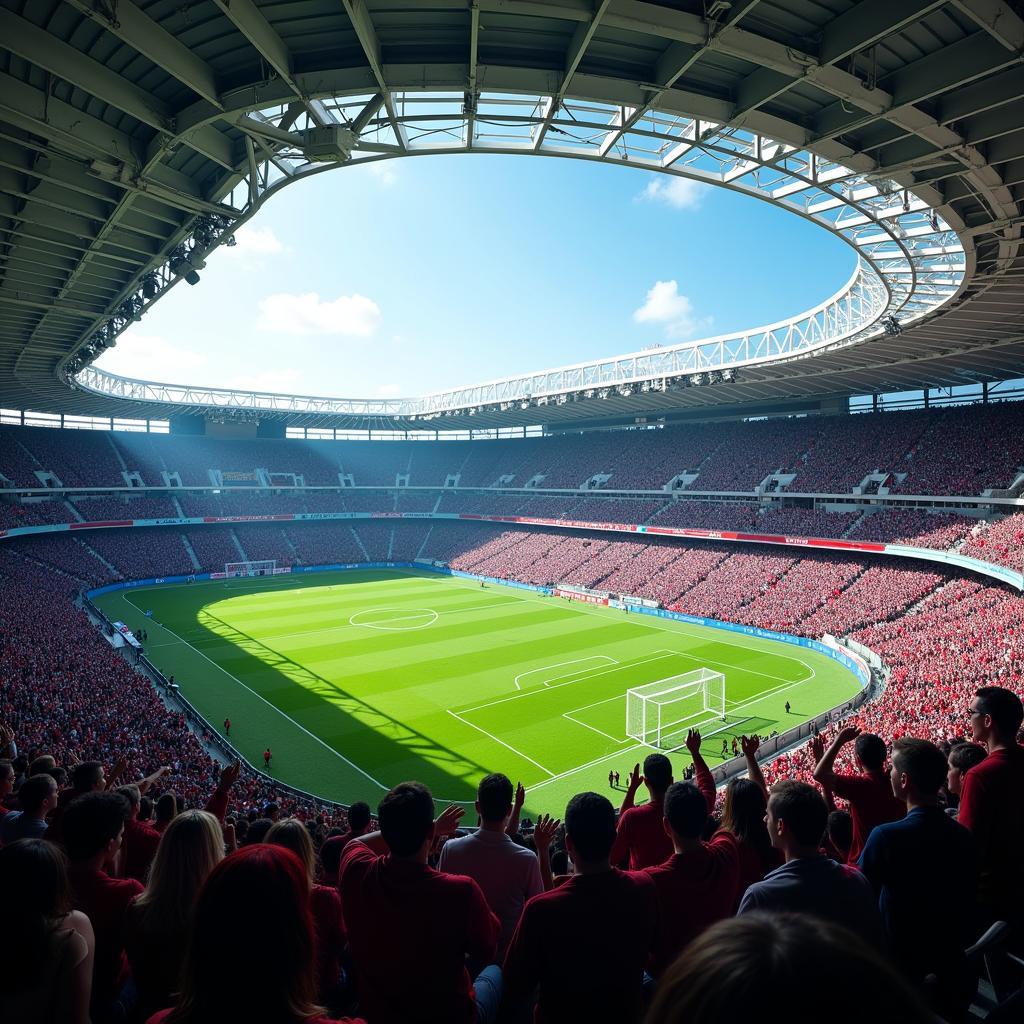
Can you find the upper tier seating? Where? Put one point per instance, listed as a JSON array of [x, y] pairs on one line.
[[947, 451]]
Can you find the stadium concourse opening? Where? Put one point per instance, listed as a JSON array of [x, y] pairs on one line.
[[678, 685]]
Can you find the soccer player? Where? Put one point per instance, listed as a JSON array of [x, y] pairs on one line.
[[227, 726], [267, 757], [788, 707], [611, 780]]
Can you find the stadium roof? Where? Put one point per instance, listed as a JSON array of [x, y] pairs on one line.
[[136, 136]]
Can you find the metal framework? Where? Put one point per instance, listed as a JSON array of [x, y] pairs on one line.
[[134, 138]]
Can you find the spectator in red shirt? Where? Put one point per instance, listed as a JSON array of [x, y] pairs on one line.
[[324, 905], [992, 803], [402, 915], [251, 946], [93, 832], [697, 884], [267, 756], [140, 838], [783, 967], [330, 852], [641, 832], [583, 945], [869, 793], [157, 922]]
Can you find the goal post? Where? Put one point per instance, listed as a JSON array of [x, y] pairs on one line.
[[261, 567], [656, 713]]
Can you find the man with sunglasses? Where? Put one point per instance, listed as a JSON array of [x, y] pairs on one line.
[[992, 803]]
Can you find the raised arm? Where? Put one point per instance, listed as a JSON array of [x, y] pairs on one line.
[[542, 836], [750, 745], [145, 784], [217, 805], [703, 777], [824, 772], [517, 809]]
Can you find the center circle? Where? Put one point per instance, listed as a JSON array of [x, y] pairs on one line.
[[394, 618]]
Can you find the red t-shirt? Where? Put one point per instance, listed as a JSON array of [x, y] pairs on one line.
[[585, 944], [340, 842], [641, 836], [871, 803], [695, 889], [754, 865], [140, 843], [425, 923], [325, 905], [992, 807], [104, 900]]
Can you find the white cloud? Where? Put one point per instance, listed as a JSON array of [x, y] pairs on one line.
[[680, 193], [664, 305], [351, 315], [382, 171], [266, 380], [256, 242], [150, 357]]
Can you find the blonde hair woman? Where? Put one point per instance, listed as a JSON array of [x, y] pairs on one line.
[[157, 921], [325, 907]]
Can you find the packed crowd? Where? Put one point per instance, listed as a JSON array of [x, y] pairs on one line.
[[128, 908], [947, 451]]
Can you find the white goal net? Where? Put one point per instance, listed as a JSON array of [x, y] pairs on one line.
[[659, 713], [263, 567]]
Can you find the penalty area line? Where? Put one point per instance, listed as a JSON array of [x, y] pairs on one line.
[[561, 664], [507, 746]]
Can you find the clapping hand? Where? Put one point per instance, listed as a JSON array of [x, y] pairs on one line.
[[693, 741], [448, 821], [817, 746], [545, 830], [635, 778], [750, 745], [520, 797]]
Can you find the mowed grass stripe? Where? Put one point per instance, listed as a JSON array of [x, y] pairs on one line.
[[384, 698]]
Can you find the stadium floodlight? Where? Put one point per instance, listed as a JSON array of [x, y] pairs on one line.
[[659, 713], [728, 376], [150, 286], [697, 379], [892, 326]]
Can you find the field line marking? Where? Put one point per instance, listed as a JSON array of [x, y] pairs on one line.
[[645, 746], [507, 746], [607, 700], [383, 623], [562, 664], [259, 696], [570, 682], [682, 631], [568, 716]]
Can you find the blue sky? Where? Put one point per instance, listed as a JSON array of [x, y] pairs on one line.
[[422, 274]]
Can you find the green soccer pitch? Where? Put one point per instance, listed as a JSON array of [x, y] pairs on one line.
[[359, 680]]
